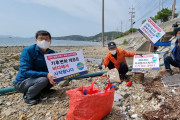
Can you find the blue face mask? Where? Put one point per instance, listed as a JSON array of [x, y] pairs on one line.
[[178, 37]]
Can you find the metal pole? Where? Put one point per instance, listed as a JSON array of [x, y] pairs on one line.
[[121, 26], [103, 23], [132, 16], [131, 23], [159, 5], [173, 9]]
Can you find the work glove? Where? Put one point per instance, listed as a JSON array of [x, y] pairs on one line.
[[101, 66], [140, 55]]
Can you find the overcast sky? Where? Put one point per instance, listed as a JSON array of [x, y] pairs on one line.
[[73, 17]]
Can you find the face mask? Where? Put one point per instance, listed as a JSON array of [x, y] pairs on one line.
[[113, 52], [178, 37], [43, 44], [178, 40]]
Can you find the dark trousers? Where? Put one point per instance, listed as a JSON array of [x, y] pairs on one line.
[[32, 87], [123, 67], [169, 61]]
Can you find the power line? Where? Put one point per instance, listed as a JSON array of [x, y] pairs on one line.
[[149, 11]]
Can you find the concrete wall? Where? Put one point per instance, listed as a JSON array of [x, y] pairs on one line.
[[144, 47]]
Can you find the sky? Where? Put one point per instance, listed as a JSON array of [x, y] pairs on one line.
[[24, 18]]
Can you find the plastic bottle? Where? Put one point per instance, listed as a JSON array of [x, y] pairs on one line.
[[85, 92]]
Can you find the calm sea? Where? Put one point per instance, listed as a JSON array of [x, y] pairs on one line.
[[30, 41]]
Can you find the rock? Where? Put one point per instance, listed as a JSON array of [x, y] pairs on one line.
[[89, 79], [16, 56], [23, 117], [47, 114], [117, 97], [64, 83], [1, 103], [127, 108], [16, 67], [31, 114], [56, 102], [73, 82], [8, 103], [51, 99], [139, 98], [6, 59], [126, 96], [2, 61], [96, 65], [173, 91], [118, 103], [134, 116], [8, 112]]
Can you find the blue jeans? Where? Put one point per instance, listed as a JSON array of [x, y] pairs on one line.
[[169, 61]]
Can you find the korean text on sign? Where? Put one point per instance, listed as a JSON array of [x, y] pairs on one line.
[[150, 30], [66, 65], [147, 62]]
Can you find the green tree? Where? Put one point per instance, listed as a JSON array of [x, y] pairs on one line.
[[164, 14], [143, 21], [132, 30], [153, 18], [124, 42]]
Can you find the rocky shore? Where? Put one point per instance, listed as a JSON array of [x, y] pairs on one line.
[[148, 100]]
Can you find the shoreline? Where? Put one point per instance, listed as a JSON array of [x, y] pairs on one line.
[[89, 51]]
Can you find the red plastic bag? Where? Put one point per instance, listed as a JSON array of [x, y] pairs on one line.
[[93, 106]]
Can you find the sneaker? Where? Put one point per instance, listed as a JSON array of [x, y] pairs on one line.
[[30, 101], [169, 72], [49, 91], [123, 77]]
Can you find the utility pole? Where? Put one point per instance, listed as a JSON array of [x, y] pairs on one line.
[[103, 23], [132, 17], [121, 25], [162, 4], [173, 9], [159, 5], [126, 25]]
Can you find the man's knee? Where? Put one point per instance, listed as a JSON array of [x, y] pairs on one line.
[[167, 58], [123, 68], [122, 64], [43, 81]]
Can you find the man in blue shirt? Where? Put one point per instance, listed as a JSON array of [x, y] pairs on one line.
[[33, 77], [174, 57]]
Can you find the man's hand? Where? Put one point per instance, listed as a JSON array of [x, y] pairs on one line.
[[140, 55], [50, 77], [101, 66], [149, 41]]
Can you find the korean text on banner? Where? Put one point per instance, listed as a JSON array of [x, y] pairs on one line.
[[146, 62], [66, 65], [150, 30]]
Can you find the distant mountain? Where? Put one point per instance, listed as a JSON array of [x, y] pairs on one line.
[[9, 36], [6, 36], [107, 36], [71, 37]]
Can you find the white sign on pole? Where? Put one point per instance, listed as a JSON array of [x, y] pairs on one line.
[[66, 65], [146, 62], [150, 30]]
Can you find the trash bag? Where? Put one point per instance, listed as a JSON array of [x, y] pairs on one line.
[[89, 102], [113, 75]]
